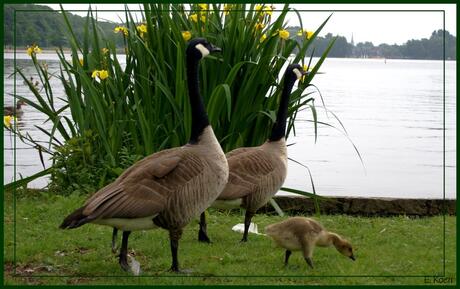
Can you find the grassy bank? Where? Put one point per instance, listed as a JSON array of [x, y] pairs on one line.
[[388, 247]]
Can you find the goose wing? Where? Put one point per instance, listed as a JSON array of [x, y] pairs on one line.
[[247, 168], [144, 188]]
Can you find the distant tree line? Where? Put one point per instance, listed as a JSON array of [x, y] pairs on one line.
[[431, 48], [46, 27]]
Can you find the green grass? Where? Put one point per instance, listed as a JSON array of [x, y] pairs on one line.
[[391, 247]]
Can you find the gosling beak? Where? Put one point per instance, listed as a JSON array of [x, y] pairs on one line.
[[215, 49], [352, 257]]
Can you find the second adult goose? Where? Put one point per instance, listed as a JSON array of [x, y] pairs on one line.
[[257, 173], [169, 188]]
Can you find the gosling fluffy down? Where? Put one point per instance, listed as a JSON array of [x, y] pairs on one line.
[[303, 234]]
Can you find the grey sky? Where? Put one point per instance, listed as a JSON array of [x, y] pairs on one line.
[[376, 26]]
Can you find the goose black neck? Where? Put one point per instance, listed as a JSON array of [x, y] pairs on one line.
[[199, 116], [279, 128]]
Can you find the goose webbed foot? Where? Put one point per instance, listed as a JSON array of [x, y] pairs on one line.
[[203, 237]]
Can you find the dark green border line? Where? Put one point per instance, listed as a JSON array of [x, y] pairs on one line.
[[242, 276]]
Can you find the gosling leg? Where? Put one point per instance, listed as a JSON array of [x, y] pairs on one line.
[[114, 240], [286, 257], [202, 233], [307, 248], [123, 257], [247, 222]]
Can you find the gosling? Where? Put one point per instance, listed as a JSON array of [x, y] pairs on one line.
[[303, 234]]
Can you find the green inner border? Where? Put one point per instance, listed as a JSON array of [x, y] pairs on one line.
[[239, 276]]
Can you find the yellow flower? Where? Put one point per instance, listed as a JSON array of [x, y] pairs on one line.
[[141, 29], [105, 50], [283, 34], [306, 68], [268, 10], [262, 38], [122, 29], [37, 49], [194, 18], [258, 7], [81, 61], [7, 120], [259, 26], [308, 34], [33, 49], [101, 74], [227, 8], [203, 6], [95, 73], [186, 35]]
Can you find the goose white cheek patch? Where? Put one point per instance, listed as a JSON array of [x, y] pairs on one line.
[[204, 51], [297, 73]]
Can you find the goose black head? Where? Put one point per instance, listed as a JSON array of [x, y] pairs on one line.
[[295, 71], [200, 48]]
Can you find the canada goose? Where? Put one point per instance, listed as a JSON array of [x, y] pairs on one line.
[[303, 234], [11, 110], [257, 173], [166, 189]]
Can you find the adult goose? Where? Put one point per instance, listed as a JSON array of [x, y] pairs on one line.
[[166, 189], [257, 173]]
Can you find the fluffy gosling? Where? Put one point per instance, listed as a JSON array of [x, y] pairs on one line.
[[303, 234]]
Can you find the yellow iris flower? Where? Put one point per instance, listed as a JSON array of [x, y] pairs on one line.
[[7, 120], [33, 49], [283, 34], [101, 74], [121, 29], [203, 6], [186, 35]]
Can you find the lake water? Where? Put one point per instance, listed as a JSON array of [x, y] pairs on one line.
[[392, 112]]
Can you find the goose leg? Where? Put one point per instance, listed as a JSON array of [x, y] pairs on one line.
[[123, 257], [247, 222], [286, 257], [174, 236], [202, 233], [114, 240]]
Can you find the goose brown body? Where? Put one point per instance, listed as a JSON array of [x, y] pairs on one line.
[[303, 234], [256, 174], [172, 187]]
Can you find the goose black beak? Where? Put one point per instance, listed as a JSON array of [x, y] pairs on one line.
[[352, 258], [215, 49], [304, 72]]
